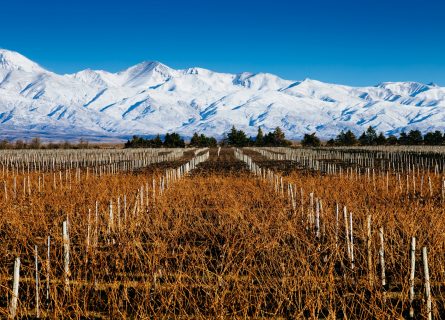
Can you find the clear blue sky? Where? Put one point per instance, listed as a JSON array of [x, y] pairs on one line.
[[357, 42]]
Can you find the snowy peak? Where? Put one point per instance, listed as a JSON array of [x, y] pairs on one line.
[[151, 98], [11, 60], [147, 71], [260, 81], [197, 71], [404, 88], [97, 78]]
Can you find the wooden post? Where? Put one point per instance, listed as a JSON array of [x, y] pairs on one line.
[[421, 187], [352, 240], [88, 235], [322, 222], [317, 219], [382, 256], [368, 245], [348, 245], [111, 219], [427, 284], [118, 214], [37, 281], [125, 210], [336, 225], [430, 186], [15, 289], [48, 267], [66, 254], [311, 211], [411, 276], [96, 225]]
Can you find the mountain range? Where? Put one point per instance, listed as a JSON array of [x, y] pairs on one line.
[[151, 98]]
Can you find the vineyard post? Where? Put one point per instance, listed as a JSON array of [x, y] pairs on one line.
[[88, 234], [421, 187], [125, 210], [96, 225], [111, 218], [382, 260], [348, 245], [118, 214], [427, 283], [311, 211], [368, 245], [411, 276], [317, 219], [36, 261], [430, 186], [336, 225], [48, 266], [15, 288], [66, 253], [352, 241], [322, 222]]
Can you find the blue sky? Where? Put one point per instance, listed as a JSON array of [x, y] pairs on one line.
[[359, 42]]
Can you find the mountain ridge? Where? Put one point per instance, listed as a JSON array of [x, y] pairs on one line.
[[151, 98]]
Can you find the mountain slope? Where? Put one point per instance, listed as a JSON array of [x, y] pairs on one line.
[[152, 98]]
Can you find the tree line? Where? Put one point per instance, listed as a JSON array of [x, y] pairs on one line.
[[235, 138], [370, 138], [36, 143], [238, 138], [171, 140]]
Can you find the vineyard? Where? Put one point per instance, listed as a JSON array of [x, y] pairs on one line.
[[257, 233]]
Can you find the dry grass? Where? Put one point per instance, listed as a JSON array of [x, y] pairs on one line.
[[220, 245]]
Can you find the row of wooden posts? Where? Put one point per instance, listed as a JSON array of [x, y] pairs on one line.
[[118, 163], [333, 160], [165, 181], [315, 222], [413, 180]]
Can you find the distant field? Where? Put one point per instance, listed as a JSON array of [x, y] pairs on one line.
[[232, 233]]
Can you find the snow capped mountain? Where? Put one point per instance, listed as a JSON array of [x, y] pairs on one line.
[[10, 60], [151, 98]]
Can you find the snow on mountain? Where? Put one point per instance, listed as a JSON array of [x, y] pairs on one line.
[[151, 98], [10, 60]]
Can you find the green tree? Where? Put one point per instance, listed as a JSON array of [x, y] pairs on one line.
[[331, 143], [279, 136], [237, 138], [173, 140], [415, 137], [369, 137], [433, 138], [157, 142], [347, 138], [310, 140], [212, 142], [202, 141], [381, 139], [195, 140], [403, 138], [259, 140], [392, 140], [276, 139]]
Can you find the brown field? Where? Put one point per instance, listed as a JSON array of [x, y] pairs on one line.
[[222, 242]]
